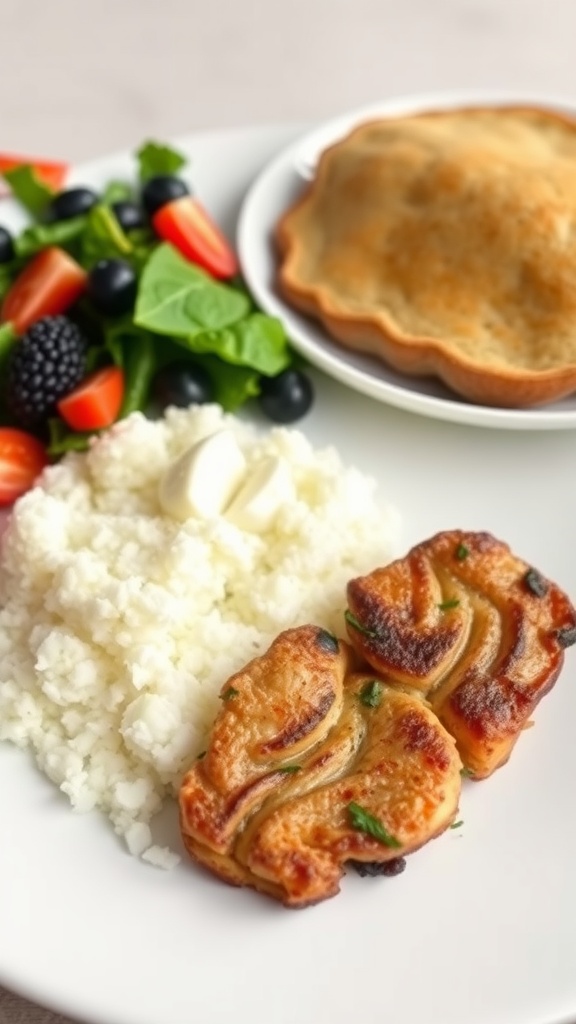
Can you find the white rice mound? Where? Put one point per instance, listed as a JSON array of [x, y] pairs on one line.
[[119, 625]]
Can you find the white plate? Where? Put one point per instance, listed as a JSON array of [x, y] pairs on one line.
[[277, 188], [481, 927]]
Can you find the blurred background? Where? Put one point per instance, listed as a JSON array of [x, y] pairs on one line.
[[80, 79]]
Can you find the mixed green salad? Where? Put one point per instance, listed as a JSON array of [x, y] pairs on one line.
[[127, 299]]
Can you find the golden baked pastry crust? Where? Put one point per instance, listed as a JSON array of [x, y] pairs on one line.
[[444, 243]]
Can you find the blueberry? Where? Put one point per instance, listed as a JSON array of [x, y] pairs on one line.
[[73, 202], [286, 397], [182, 383], [129, 215], [112, 286], [162, 189]]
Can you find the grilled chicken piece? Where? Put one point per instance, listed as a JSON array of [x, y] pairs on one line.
[[474, 629], [312, 764]]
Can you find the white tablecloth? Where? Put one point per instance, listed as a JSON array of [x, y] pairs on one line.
[[81, 79]]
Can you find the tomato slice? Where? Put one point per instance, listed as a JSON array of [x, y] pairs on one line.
[[50, 283], [22, 458], [191, 230], [96, 402], [51, 172]]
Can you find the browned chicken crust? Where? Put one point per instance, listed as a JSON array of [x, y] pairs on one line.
[[445, 243], [296, 750], [326, 753], [473, 628]]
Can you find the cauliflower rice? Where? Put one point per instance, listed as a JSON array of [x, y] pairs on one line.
[[119, 625]]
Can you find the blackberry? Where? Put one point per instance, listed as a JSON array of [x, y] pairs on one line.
[[46, 364]]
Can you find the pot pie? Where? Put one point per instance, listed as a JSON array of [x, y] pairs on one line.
[[444, 244]]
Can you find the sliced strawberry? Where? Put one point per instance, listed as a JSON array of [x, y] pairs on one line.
[[22, 458], [190, 229], [96, 402], [50, 283]]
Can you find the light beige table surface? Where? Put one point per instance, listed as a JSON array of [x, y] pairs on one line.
[[79, 79]]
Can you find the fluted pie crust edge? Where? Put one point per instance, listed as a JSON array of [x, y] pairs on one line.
[[509, 250]]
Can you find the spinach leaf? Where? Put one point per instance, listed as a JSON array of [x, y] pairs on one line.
[[103, 238], [27, 188], [8, 338], [176, 298], [155, 158], [40, 236], [137, 353], [8, 272], [233, 385], [95, 358], [258, 341], [143, 241], [117, 192], [239, 284], [139, 369], [62, 439]]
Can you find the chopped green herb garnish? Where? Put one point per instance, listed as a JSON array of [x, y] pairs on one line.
[[371, 693], [456, 824], [462, 552], [363, 821], [289, 769], [353, 621], [453, 602], [467, 773], [229, 693]]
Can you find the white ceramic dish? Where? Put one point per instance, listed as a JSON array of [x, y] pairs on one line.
[[272, 193], [480, 928]]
